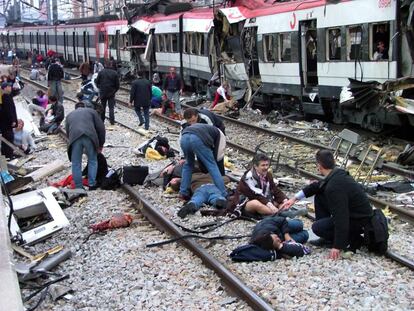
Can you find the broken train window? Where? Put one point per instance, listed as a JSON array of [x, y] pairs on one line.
[[270, 48], [353, 43], [285, 47], [334, 44], [379, 41]]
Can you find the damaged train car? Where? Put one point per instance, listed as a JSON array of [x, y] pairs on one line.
[[313, 57]]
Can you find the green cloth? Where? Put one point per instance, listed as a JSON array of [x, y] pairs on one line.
[[156, 92]]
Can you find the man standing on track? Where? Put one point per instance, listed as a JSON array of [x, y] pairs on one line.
[[108, 84], [8, 118], [54, 78], [85, 131], [140, 97], [173, 87]]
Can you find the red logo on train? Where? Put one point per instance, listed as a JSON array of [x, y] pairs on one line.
[[293, 21]]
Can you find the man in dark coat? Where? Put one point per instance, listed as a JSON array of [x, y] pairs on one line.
[[108, 84], [140, 97], [8, 118], [342, 208], [173, 87], [86, 131], [193, 115], [54, 79]]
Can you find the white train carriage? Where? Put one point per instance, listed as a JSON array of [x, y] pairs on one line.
[[167, 41], [40, 38], [198, 51], [117, 38], [15, 38], [311, 51], [79, 42]]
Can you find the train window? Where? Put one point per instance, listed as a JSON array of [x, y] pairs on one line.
[[285, 47], [174, 40], [201, 44], [270, 48], [112, 42], [101, 37], [354, 40], [193, 43], [379, 39], [334, 44]]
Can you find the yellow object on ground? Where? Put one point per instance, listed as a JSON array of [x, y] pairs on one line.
[[228, 164], [169, 190], [152, 154]]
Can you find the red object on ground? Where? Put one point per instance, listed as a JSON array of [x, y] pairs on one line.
[[67, 181], [116, 221]]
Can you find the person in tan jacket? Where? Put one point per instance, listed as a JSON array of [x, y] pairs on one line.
[[85, 70]]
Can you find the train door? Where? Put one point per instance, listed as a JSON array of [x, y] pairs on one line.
[[85, 45], [74, 46], [37, 42], [31, 41], [46, 41], [308, 48], [251, 59], [65, 43], [117, 44], [15, 40]]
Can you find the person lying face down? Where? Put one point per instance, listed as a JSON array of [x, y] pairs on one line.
[[286, 237]]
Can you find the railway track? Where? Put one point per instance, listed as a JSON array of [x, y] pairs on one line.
[[233, 283], [152, 213]]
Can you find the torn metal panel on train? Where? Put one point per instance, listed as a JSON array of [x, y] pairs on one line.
[[36, 215]]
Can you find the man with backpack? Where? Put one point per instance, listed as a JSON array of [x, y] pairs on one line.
[[173, 87], [342, 208]]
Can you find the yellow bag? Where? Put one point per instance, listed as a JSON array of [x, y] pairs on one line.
[[152, 154]]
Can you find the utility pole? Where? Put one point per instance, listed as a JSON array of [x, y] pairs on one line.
[[49, 17], [95, 8], [55, 11]]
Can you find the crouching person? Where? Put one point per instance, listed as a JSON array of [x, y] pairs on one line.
[[23, 139], [286, 237], [54, 116], [86, 131], [342, 208]]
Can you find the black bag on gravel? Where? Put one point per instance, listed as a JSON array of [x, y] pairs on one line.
[[251, 252], [112, 180], [376, 233], [134, 175]]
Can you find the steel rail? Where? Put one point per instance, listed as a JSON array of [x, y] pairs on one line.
[[233, 283], [390, 168]]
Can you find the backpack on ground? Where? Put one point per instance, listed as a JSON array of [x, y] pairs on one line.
[[112, 180], [376, 233], [251, 252], [134, 175]]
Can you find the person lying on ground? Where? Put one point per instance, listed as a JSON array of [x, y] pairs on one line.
[[284, 236], [204, 191]]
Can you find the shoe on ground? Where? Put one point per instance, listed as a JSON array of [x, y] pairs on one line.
[[321, 242], [112, 123], [220, 204], [92, 188], [183, 197], [140, 123], [188, 208]]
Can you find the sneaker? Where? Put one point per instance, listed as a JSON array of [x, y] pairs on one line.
[[188, 208], [321, 242], [293, 212], [220, 204]]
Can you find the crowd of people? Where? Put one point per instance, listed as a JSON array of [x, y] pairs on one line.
[[342, 208]]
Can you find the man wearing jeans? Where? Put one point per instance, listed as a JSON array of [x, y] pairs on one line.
[[173, 87], [140, 97], [54, 78], [207, 143], [86, 132]]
